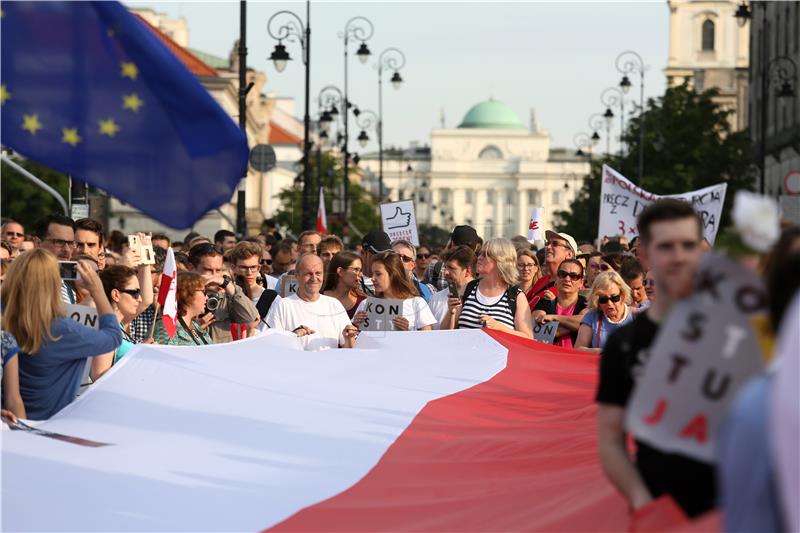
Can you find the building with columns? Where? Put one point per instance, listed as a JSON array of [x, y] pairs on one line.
[[489, 172], [709, 48]]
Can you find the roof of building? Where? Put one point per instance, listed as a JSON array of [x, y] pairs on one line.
[[279, 135], [210, 59], [195, 65], [491, 114]]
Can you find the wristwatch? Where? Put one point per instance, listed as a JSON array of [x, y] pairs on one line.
[[225, 282]]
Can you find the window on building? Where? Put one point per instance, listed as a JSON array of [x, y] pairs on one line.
[[490, 197], [708, 35], [444, 196], [534, 198], [468, 196], [511, 197], [556, 197], [491, 152]]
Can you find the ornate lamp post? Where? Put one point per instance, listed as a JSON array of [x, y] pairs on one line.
[[583, 140], [629, 62], [293, 28], [596, 123], [329, 101], [366, 120], [362, 29], [611, 97], [393, 59]]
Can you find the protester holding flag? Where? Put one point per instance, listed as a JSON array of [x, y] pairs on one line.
[[392, 282], [191, 300], [608, 310], [494, 301], [343, 280], [529, 271], [54, 347], [143, 323], [568, 308]]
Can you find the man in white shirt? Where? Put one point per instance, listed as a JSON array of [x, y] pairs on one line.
[[320, 321], [459, 270]]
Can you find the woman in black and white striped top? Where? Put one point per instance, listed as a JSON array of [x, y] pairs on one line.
[[495, 301]]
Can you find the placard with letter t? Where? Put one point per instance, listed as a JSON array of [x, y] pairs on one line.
[[709, 345]]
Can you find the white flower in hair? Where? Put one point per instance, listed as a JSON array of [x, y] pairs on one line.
[[757, 220]]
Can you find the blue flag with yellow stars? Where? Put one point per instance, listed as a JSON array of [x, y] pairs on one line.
[[88, 90]]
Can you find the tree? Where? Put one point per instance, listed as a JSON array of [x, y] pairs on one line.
[[25, 202], [364, 211], [433, 236], [688, 145]]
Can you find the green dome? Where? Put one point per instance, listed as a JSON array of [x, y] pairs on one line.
[[491, 114]]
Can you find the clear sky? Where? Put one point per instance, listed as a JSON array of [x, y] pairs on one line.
[[555, 57]]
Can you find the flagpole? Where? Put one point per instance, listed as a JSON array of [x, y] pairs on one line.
[[155, 319]]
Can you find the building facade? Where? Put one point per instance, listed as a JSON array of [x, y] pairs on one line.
[[708, 48], [775, 44], [489, 172]]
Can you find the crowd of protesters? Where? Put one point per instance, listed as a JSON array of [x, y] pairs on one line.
[[607, 301]]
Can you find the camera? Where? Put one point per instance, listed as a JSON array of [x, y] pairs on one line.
[[68, 270], [214, 299]]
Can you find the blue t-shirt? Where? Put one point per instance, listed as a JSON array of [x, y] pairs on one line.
[[49, 379], [605, 327]]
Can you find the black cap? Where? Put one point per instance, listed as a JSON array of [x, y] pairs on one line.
[[376, 241], [464, 235]]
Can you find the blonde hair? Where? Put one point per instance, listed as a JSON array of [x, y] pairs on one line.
[[604, 281], [32, 299], [504, 254]]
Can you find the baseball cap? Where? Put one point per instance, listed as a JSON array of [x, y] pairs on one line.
[[549, 234], [464, 235], [376, 241]]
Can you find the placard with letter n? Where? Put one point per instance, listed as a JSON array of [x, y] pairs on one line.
[[709, 345], [380, 313], [545, 332]]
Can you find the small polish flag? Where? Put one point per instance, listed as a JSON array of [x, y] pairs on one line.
[[167, 293], [322, 219]]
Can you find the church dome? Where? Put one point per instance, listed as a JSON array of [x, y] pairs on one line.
[[491, 114]]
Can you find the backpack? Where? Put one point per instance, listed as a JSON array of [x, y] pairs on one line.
[[510, 295], [265, 302]]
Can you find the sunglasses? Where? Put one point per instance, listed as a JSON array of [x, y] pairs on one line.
[[603, 300], [14, 234], [574, 276], [649, 283], [423, 256], [406, 259], [266, 261], [605, 267], [133, 293], [556, 244]]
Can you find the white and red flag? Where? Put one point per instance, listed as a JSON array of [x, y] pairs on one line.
[[322, 219], [167, 293]]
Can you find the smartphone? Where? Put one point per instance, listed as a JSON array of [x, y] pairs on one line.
[[68, 270], [451, 287]]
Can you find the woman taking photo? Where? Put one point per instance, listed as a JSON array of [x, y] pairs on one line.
[[568, 307], [121, 287], [191, 306], [343, 279], [392, 283], [608, 310], [53, 347], [494, 301], [529, 272]]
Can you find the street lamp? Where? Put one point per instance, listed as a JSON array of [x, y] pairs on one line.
[[630, 62], [394, 59], [610, 97], [292, 28], [780, 69], [329, 99], [359, 28], [583, 140], [597, 122], [366, 120]]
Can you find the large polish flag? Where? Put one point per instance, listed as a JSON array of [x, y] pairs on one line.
[[167, 293], [418, 431]]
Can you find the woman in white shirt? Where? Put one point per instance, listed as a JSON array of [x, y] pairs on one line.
[[392, 283]]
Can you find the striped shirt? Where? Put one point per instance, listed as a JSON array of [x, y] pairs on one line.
[[476, 304], [67, 294]]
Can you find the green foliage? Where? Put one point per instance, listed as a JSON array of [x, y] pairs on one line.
[[25, 202], [688, 145], [364, 212], [433, 236]]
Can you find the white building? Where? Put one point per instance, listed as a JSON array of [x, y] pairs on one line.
[[489, 172]]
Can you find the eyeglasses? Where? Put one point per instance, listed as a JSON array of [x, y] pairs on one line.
[[248, 268], [574, 276], [61, 243], [526, 266], [406, 258], [423, 256], [266, 262], [603, 300], [605, 267], [556, 244], [594, 266], [354, 270], [133, 293], [649, 282], [14, 234]]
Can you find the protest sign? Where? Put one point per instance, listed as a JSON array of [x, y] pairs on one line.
[[83, 314], [380, 313], [144, 246], [289, 286], [709, 346], [545, 332], [535, 232], [400, 221], [621, 202]]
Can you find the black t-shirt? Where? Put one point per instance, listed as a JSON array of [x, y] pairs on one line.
[[691, 483], [549, 307]]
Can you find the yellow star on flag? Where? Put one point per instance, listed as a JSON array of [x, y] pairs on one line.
[[129, 70], [132, 102], [31, 123], [108, 127], [4, 94], [70, 136]]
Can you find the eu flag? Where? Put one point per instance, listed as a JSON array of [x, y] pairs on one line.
[[88, 90]]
